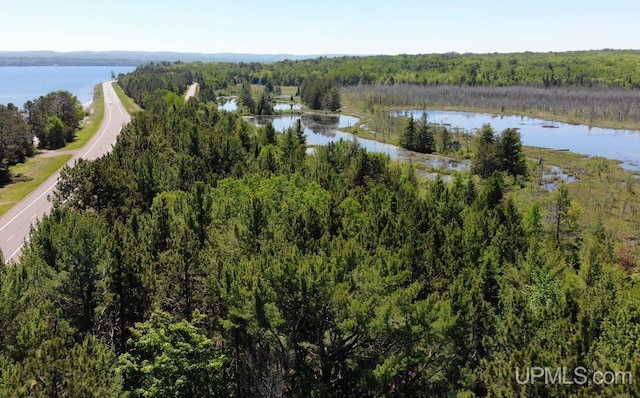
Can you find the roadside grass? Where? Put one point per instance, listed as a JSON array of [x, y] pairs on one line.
[[91, 124], [33, 172], [29, 175], [128, 103]]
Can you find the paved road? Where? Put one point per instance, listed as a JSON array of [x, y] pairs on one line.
[[16, 223]]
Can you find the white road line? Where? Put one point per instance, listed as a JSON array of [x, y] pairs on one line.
[[29, 205], [34, 215], [106, 127], [17, 250], [11, 237], [52, 186]]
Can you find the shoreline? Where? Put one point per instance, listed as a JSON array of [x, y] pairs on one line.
[[26, 83]]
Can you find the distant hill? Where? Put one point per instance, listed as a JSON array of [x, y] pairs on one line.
[[133, 58]]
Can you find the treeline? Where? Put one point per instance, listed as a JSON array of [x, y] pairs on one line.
[[52, 119], [316, 91], [16, 140], [588, 86], [588, 69], [611, 68], [146, 79], [203, 258], [319, 92]]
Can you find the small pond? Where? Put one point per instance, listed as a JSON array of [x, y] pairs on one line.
[[230, 104], [551, 179], [227, 104], [623, 145], [322, 129], [287, 107]]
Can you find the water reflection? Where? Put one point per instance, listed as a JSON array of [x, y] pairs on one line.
[[322, 129], [623, 145], [230, 104], [227, 104], [287, 107]]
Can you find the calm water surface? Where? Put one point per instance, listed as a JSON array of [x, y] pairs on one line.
[[229, 104], [19, 84], [287, 107], [322, 129], [623, 145]]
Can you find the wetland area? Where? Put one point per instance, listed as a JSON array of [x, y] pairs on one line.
[[622, 145]]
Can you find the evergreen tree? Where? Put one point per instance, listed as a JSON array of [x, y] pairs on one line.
[[486, 159], [264, 106], [407, 138], [424, 140], [561, 204], [510, 153], [172, 359], [319, 92], [246, 99], [268, 134], [444, 138]]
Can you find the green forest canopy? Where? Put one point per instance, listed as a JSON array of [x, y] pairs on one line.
[[615, 68], [204, 258]]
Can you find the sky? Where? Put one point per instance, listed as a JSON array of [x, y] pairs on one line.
[[319, 27]]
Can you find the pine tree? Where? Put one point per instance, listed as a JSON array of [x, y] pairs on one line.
[[424, 141], [510, 153], [246, 99], [486, 160], [174, 359], [407, 138], [264, 106]]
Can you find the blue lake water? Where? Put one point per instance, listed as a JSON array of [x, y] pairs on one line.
[[319, 128], [19, 84], [322, 129], [622, 145]]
